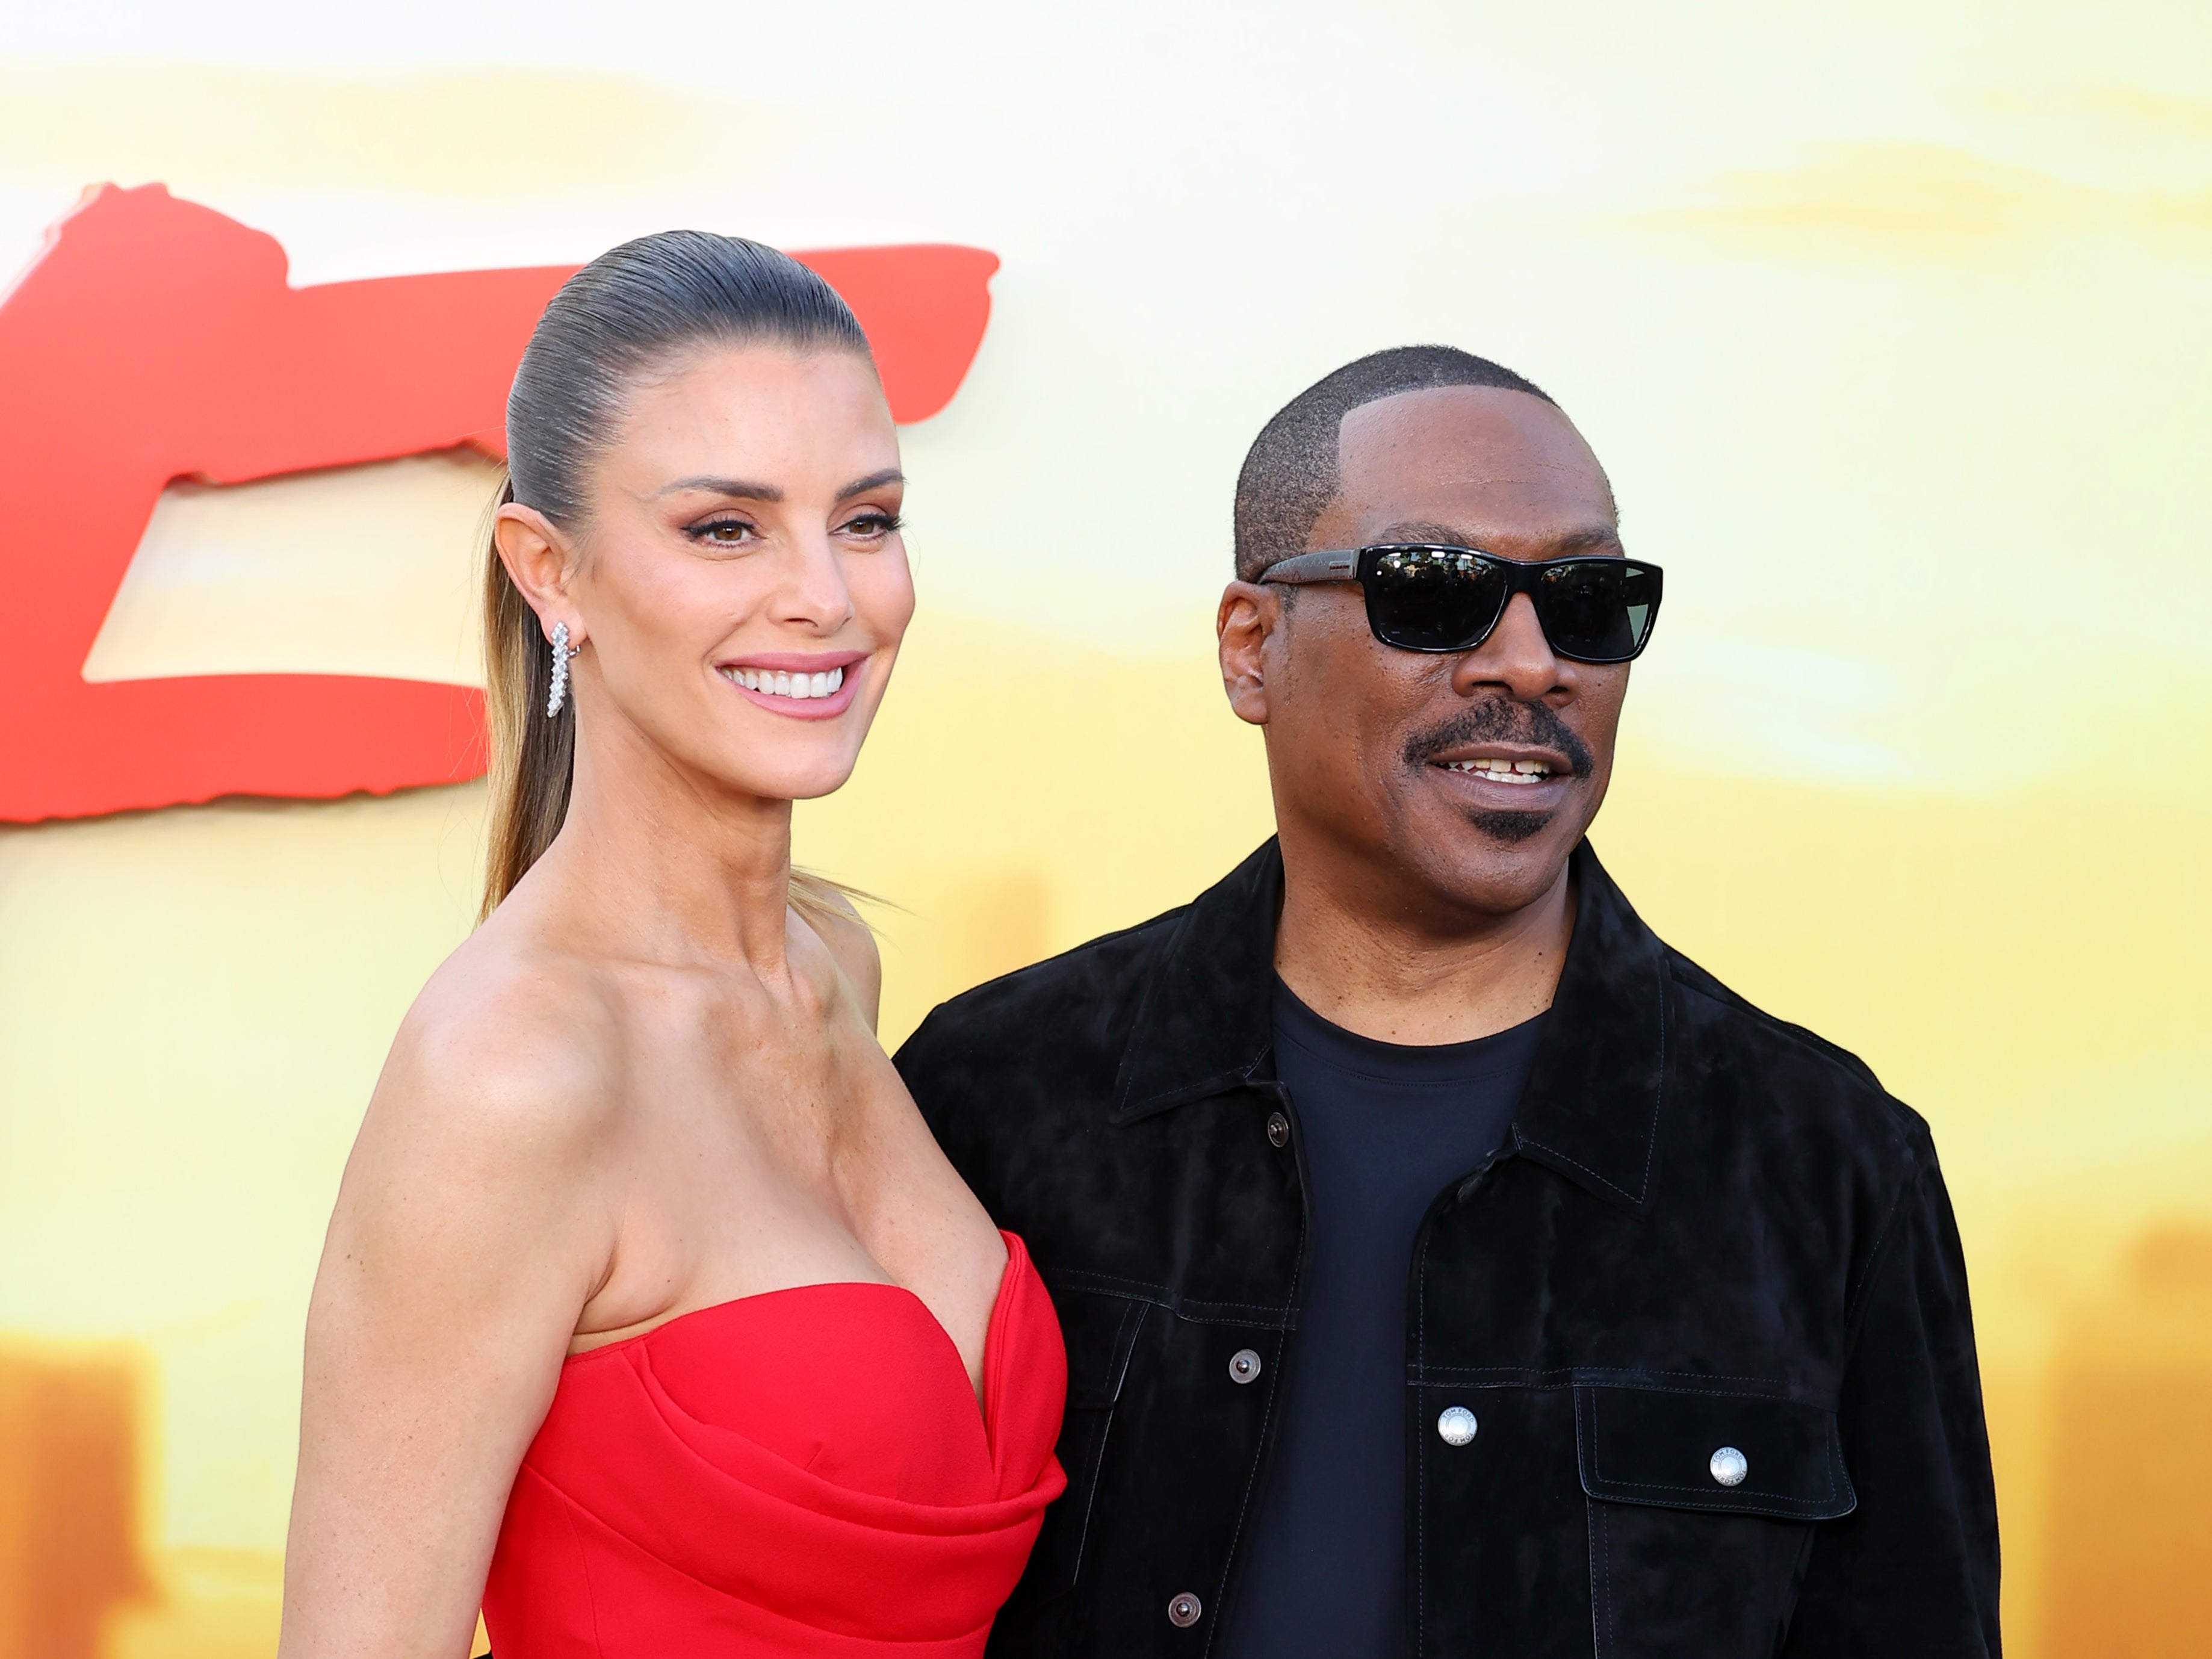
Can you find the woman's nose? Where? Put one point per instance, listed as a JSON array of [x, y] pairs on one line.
[[814, 591]]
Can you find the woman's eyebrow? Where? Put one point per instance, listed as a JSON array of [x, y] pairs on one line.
[[873, 481], [737, 487], [766, 492]]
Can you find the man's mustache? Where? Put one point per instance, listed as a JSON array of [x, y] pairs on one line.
[[1502, 720]]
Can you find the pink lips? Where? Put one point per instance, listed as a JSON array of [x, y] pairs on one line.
[[796, 663]]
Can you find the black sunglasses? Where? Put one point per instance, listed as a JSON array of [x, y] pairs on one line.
[[1424, 595]]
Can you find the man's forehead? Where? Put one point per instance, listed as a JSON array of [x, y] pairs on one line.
[[1477, 458]]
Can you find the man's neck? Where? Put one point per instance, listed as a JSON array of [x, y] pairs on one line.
[[1357, 965]]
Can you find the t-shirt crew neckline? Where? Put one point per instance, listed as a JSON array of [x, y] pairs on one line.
[[1475, 1061]]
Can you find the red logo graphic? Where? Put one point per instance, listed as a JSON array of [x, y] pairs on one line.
[[154, 340]]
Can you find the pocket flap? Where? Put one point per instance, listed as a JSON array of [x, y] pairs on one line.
[[1100, 1330], [1700, 1449]]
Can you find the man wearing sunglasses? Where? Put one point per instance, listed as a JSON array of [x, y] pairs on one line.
[[1446, 1266]]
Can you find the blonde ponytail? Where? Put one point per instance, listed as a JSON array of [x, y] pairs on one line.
[[533, 759]]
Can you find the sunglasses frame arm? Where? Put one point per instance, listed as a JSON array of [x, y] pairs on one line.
[[1332, 565]]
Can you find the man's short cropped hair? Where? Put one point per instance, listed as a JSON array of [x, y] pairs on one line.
[[1290, 472]]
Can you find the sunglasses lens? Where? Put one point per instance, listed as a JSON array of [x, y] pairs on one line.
[[1597, 610], [1423, 598]]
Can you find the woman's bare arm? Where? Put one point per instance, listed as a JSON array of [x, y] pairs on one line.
[[468, 1236]]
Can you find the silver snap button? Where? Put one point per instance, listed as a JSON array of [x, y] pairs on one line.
[[1244, 1366], [1730, 1466], [1455, 1427], [1279, 1129], [1184, 1610]]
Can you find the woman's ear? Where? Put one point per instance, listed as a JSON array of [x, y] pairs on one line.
[[539, 562]]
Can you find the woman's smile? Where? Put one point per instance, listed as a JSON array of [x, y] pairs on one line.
[[816, 686]]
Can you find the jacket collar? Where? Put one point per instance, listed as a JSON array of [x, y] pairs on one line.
[[1591, 1109], [1208, 1016]]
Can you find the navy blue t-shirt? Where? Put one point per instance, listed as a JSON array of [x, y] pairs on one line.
[[1385, 1129]]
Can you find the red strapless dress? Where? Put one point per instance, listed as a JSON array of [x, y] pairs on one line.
[[799, 1473]]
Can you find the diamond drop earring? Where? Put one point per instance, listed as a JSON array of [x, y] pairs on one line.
[[562, 652]]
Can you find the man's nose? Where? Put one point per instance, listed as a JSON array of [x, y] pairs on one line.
[[1517, 658]]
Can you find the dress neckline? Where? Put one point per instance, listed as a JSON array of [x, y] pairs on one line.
[[1016, 1254]]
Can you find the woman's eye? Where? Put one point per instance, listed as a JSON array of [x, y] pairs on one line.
[[872, 524], [725, 532]]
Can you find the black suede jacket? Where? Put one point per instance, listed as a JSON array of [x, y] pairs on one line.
[[1707, 1230]]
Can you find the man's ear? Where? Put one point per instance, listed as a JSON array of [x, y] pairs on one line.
[[539, 562], [1250, 615]]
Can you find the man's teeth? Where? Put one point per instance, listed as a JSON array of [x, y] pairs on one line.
[[779, 684], [1500, 770]]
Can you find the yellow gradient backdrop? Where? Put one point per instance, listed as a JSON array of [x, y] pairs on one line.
[[1893, 326]]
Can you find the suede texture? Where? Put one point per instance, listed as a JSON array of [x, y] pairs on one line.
[[1707, 1229]]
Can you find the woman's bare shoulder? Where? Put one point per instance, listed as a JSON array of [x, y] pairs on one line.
[[474, 1197], [511, 1046]]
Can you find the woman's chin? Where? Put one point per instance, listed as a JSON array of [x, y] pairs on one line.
[[807, 777]]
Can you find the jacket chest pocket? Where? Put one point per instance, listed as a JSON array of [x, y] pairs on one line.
[[1100, 1331], [1701, 1506]]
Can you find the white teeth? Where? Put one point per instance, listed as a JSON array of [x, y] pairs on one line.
[[797, 687], [1499, 769]]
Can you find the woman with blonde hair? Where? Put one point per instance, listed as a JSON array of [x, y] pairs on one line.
[[651, 1318]]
